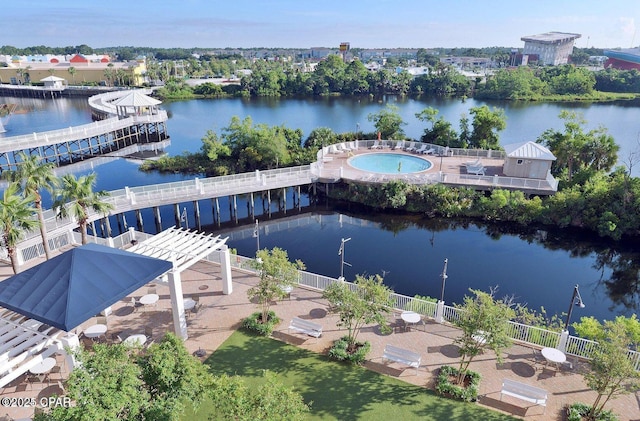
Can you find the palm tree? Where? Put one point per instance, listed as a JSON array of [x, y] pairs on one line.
[[72, 71], [76, 196], [33, 176], [16, 218]]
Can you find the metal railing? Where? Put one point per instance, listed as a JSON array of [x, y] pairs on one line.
[[521, 333], [84, 131], [524, 334]]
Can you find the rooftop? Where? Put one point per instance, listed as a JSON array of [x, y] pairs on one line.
[[551, 37]]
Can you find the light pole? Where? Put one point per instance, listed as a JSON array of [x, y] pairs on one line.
[[579, 303], [341, 254], [357, 130], [444, 279]]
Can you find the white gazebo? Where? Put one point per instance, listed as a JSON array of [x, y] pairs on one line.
[[184, 248], [136, 103], [53, 82]]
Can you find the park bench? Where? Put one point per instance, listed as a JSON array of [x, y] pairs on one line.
[[306, 327], [525, 392], [403, 356]]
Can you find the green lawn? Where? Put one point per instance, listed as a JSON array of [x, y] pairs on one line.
[[338, 391]]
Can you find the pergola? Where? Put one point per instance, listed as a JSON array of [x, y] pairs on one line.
[[184, 248]]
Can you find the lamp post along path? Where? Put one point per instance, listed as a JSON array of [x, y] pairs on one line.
[[341, 254], [440, 305]]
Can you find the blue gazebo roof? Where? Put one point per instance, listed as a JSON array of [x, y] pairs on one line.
[[70, 288]]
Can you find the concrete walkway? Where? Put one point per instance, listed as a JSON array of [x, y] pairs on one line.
[[220, 316]]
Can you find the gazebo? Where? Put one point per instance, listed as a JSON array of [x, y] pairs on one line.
[[53, 82], [136, 103], [60, 294]]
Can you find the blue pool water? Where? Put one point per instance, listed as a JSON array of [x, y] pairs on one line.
[[390, 163]]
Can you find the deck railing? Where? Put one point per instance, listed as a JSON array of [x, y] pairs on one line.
[[524, 334], [521, 333]]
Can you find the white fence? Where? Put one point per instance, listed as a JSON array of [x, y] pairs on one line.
[[524, 334]]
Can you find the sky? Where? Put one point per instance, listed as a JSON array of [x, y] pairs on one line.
[[319, 23]]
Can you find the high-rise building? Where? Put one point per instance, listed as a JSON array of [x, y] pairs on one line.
[[551, 48]]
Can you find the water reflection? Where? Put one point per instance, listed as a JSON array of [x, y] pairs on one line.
[[539, 267]]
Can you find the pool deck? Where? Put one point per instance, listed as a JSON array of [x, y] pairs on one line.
[[449, 170], [221, 315]]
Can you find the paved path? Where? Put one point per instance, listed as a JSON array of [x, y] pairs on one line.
[[220, 316]]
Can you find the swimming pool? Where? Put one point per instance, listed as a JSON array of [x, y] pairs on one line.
[[389, 163]]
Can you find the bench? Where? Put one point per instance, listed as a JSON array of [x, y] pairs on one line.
[[403, 356], [305, 326], [525, 392]]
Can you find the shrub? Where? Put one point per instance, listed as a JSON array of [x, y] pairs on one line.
[[578, 411], [445, 384], [254, 323], [355, 354]]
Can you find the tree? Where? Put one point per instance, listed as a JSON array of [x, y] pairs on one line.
[[388, 122], [577, 151], [369, 302], [483, 322], [72, 71], [172, 378], [213, 147], [612, 371], [117, 381], [441, 132], [33, 177], [486, 123], [275, 272], [16, 217], [106, 385], [76, 196]]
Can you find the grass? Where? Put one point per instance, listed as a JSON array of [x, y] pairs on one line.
[[338, 391]]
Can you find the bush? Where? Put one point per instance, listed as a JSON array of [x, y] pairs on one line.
[[468, 392], [340, 351], [254, 323], [576, 412]]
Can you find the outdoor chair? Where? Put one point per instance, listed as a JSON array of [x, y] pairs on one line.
[[399, 145], [133, 303], [479, 170], [421, 150], [102, 320], [411, 147], [429, 151]]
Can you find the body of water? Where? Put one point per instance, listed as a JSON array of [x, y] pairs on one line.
[[536, 267]]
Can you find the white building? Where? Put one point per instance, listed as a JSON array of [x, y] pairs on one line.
[[551, 48]]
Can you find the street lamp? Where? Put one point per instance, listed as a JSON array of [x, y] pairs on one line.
[[579, 303], [341, 254], [357, 130], [444, 279]]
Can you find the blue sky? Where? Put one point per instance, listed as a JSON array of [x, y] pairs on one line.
[[319, 23]]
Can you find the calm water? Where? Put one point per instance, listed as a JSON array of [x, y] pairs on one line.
[[537, 267]]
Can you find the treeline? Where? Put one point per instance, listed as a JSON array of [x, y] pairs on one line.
[[607, 205], [529, 83], [335, 77]]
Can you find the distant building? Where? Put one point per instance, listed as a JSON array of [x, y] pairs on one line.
[[627, 59], [552, 48]]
